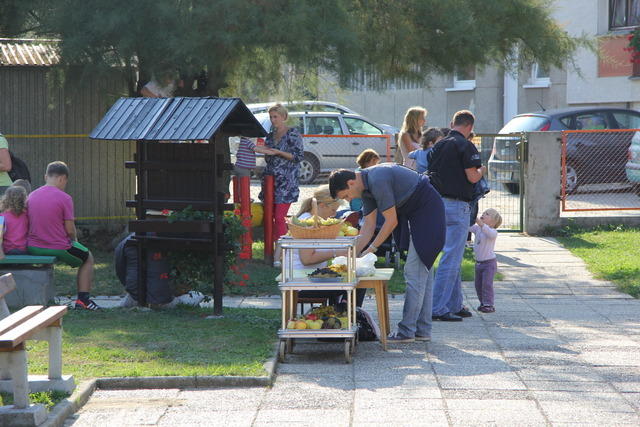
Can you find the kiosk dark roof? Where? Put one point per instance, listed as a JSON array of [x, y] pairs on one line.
[[176, 119]]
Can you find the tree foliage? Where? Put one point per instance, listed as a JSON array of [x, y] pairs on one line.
[[242, 46]]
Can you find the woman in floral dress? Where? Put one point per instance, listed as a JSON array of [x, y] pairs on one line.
[[283, 163]]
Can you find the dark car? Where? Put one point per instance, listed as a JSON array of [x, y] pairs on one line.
[[591, 158]]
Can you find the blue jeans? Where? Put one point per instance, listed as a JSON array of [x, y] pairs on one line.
[[447, 289], [416, 313]]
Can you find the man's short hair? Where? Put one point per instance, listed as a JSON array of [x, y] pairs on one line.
[[338, 181], [463, 118], [57, 168]]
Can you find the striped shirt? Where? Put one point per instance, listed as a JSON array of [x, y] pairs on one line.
[[245, 156]]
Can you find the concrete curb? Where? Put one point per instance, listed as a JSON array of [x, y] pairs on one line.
[[69, 406], [80, 397]]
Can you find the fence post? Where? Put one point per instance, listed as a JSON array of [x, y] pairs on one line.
[[267, 191], [245, 214]]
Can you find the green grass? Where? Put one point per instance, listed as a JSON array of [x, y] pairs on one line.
[[611, 253], [105, 280], [47, 398], [182, 342]]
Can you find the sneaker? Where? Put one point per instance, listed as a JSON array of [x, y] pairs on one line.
[[487, 309], [86, 305], [421, 338], [397, 338], [464, 312]]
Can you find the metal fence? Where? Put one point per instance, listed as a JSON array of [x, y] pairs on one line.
[[600, 170], [99, 182], [501, 155]]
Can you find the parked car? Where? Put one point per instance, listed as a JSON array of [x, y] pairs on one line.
[[323, 154], [632, 168], [588, 159], [319, 106]]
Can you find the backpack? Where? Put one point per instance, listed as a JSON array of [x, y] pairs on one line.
[[19, 169], [368, 330]]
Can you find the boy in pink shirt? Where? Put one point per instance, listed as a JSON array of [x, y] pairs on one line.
[[52, 230], [485, 231]]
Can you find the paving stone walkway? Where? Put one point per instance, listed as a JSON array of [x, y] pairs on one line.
[[561, 349]]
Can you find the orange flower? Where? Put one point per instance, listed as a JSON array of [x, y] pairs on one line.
[[242, 283], [245, 276]]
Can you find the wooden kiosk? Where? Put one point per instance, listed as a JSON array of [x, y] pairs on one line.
[[182, 159]]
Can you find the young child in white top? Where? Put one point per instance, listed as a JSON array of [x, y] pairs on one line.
[[485, 232]]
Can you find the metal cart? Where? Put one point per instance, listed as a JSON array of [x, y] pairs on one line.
[[291, 283]]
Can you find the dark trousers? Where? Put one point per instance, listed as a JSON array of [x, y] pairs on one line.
[[485, 271]]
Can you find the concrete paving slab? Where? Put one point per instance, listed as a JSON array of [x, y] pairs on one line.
[[562, 348]]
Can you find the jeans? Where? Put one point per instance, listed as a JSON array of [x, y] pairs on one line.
[[416, 313], [447, 288]]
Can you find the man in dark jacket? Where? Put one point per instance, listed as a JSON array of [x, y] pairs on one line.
[[454, 166]]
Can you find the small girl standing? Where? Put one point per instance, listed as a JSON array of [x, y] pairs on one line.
[[428, 140], [16, 222], [486, 264]]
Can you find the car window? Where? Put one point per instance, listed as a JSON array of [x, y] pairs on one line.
[[566, 120], [292, 121], [627, 120], [524, 124], [323, 126], [360, 127], [591, 121]]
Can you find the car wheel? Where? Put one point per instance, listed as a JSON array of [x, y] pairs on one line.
[[309, 169], [512, 188], [572, 179]]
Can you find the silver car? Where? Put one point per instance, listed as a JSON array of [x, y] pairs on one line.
[[322, 153]]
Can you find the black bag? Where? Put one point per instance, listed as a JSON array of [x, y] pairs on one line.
[[366, 326], [19, 169], [480, 188]]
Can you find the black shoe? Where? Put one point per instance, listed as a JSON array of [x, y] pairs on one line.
[[447, 317], [464, 312]]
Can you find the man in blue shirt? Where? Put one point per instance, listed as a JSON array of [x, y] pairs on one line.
[[402, 195]]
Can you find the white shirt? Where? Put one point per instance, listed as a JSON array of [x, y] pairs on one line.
[[297, 263], [484, 242]]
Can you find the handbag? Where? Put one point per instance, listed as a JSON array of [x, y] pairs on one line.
[[480, 189]]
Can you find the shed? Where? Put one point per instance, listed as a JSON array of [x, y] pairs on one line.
[[181, 160]]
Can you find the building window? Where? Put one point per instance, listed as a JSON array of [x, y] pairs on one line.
[[464, 79], [539, 77], [624, 13]]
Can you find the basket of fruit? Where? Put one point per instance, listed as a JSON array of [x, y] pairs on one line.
[[326, 274], [314, 227]]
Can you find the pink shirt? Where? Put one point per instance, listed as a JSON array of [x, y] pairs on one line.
[[49, 208], [484, 242], [16, 228]]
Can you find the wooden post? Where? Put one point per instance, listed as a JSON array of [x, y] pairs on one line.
[[218, 145], [267, 191], [245, 214]]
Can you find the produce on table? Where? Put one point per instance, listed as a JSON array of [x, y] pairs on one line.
[[323, 317], [324, 272]]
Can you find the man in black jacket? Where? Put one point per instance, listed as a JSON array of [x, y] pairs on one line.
[[454, 166]]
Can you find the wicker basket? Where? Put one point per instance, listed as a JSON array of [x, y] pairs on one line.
[[318, 231]]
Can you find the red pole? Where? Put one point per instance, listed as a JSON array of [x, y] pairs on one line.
[[245, 214], [267, 191], [236, 189]]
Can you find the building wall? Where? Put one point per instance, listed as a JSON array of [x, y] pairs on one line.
[[571, 86], [99, 183]]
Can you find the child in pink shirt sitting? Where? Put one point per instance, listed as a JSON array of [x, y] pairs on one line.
[[16, 221], [52, 230]]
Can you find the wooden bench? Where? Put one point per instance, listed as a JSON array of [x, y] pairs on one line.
[[29, 323], [34, 278]]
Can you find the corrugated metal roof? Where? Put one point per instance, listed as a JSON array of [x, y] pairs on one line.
[[28, 52], [176, 119]]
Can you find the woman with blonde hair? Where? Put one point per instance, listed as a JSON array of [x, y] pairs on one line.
[[286, 151], [410, 134], [317, 258]]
